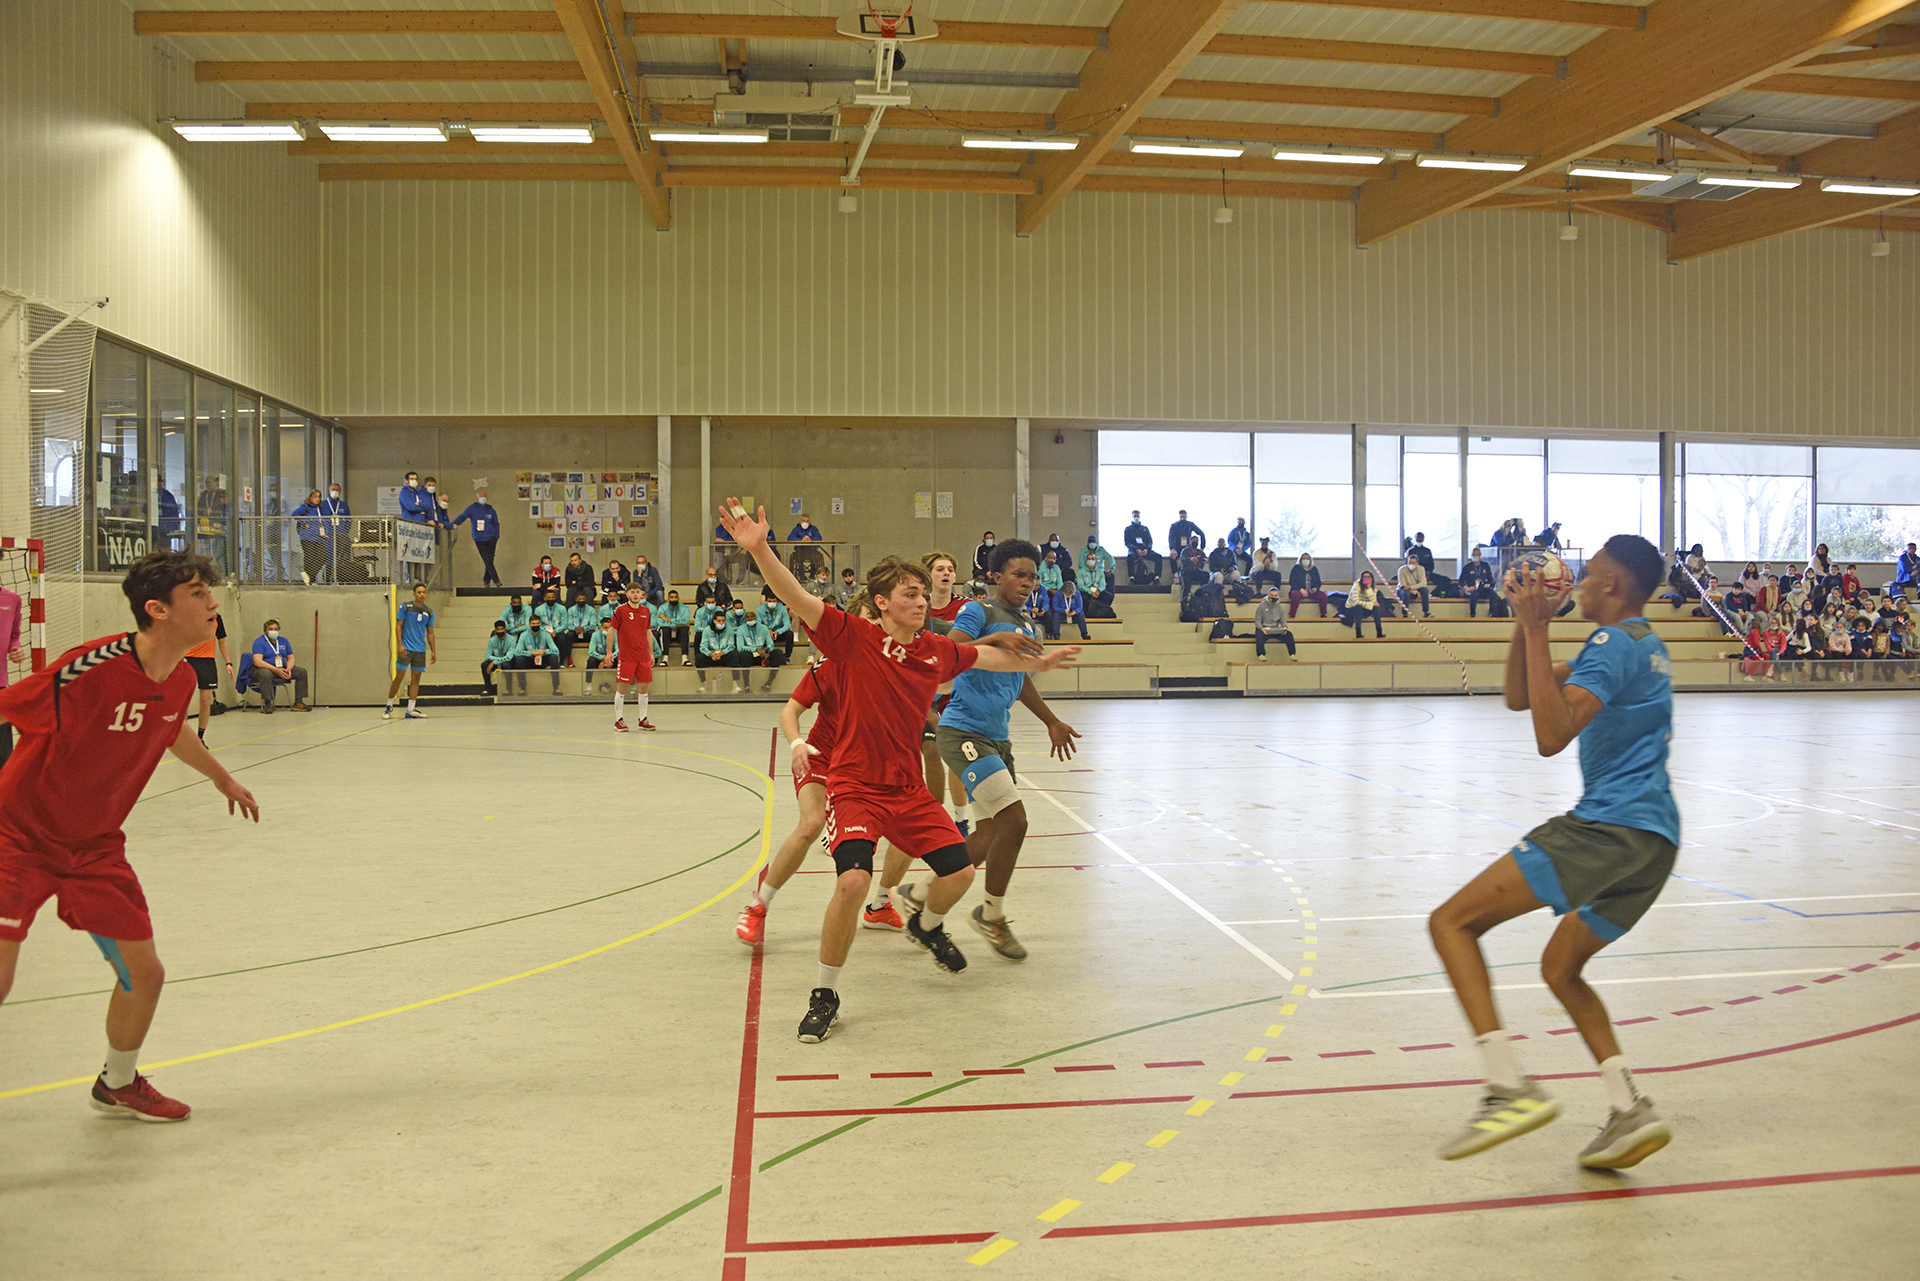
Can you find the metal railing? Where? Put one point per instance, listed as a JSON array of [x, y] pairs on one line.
[[351, 551], [805, 559]]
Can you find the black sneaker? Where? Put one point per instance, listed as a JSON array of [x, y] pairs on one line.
[[945, 954], [823, 1011]]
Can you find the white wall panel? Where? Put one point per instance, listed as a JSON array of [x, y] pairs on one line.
[[209, 252], [556, 298]]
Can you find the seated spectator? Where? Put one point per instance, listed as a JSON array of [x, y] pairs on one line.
[[1303, 583], [1548, 537], [753, 647], [546, 574], [1050, 576], [1143, 563], [1266, 567], [603, 650], [1417, 547], [1414, 582], [1270, 624], [1036, 607], [539, 651], [579, 580], [583, 623], [503, 646], [1850, 582], [712, 589], [1062, 554], [1096, 568], [803, 560], [273, 666], [1221, 558], [1240, 543], [614, 581], [558, 621], [1191, 567], [1799, 648], [647, 578], [1751, 579], [1688, 574], [516, 616], [1906, 571], [981, 554], [1069, 605], [1769, 597], [670, 624], [713, 649], [820, 586], [1476, 584], [1184, 531], [778, 622], [846, 589], [1364, 602]]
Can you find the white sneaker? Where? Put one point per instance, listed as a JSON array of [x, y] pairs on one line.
[[388, 714]]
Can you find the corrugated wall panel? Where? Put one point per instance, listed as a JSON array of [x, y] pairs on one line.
[[555, 298]]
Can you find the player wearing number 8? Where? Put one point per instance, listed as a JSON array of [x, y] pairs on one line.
[[93, 726]]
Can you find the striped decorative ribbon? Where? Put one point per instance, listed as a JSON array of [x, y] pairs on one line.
[[1380, 581]]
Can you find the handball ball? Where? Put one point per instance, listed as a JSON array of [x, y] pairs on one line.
[[1552, 570]]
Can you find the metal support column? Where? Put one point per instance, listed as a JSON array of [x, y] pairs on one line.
[[701, 555], [1466, 543], [1358, 551], [1669, 495], [663, 506], [1022, 493]]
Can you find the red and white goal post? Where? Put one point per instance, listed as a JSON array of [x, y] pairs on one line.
[[22, 571]]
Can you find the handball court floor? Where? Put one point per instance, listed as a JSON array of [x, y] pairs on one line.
[[468, 1003]]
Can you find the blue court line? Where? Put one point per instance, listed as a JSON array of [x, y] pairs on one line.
[[1805, 916], [1390, 787]]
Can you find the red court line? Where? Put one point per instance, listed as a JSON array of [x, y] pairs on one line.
[[1831, 978], [1743, 1000], [1495, 1203], [1698, 1009], [814, 1076], [1344, 1054], [740, 1187], [1087, 1067], [1782, 991], [975, 1107], [894, 1076], [1862, 969], [1561, 1031], [1644, 1018], [1179, 1063], [871, 1243], [994, 1072], [1437, 1045], [733, 1268], [1279, 1058]]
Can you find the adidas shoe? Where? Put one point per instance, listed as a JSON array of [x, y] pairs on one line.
[[752, 926], [945, 954], [1628, 1138], [882, 917], [823, 1011], [997, 934], [1504, 1114]]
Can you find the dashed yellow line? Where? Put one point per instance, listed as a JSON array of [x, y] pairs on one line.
[[990, 1251], [1163, 1138], [1233, 1078], [1199, 1107], [1114, 1173], [1058, 1212], [1276, 1030]]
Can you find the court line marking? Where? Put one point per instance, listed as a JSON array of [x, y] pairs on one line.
[[1246, 943], [766, 836], [1804, 898], [1318, 995]]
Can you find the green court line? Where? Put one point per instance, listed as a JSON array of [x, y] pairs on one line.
[[651, 1228], [1624, 956]]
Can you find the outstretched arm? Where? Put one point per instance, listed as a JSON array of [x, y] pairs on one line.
[[1002, 660], [751, 534], [192, 752]]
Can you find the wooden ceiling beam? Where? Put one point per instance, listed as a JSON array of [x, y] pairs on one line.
[[1659, 217], [464, 173], [1531, 200], [1619, 17], [454, 147], [1211, 187], [740, 26], [871, 179], [600, 54], [1370, 53], [1701, 140], [465, 71], [1441, 104], [1908, 219], [519, 111], [338, 22], [1618, 85], [1841, 87], [1148, 42]]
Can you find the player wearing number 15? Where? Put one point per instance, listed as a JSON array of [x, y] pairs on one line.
[[93, 726]]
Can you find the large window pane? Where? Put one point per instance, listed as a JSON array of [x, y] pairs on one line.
[[169, 389], [1865, 531], [1157, 492], [1383, 495], [338, 474], [212, 445], [1868, 477], [1430, 477], [1303, 496], [1174, 449], [1505, 480], [119, 508], [1748, 502], [1599, 488]]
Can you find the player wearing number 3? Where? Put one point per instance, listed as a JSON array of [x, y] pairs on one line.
[[93, 726]]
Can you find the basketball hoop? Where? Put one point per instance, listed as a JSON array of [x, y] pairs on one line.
[[886, 30], [889, 23]]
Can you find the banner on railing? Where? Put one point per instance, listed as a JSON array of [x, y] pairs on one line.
[[413, 541]]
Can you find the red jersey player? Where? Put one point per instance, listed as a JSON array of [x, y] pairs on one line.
[[888, 674], [812, 756], [93, 726], [633, 626]]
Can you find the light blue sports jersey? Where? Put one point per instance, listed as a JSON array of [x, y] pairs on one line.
[[414, 622], [1623, 750], [981, 699]]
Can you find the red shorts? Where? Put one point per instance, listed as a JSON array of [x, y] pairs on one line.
[[636, 671], [815, 771], [98, 893], [907, 816]]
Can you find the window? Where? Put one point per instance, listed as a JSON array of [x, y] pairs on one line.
[[1303, 493], [120, 509], [212, 450], [1866, 505], [1383, 495], [169, 391], [1599, 488], [1430, 493], [1505, 480], [1160, 472], [1748, 502]]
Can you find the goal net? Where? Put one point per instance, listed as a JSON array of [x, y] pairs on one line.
[[23, 627]]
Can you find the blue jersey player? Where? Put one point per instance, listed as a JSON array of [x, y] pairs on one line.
[[1600, 867], [973, 739], [413, 626]]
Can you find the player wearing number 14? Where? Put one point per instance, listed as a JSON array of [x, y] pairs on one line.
[[93, 727]]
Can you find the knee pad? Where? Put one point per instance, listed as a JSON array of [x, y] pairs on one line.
[[111, 950], [990, 792], [945, 861], [849, 856]]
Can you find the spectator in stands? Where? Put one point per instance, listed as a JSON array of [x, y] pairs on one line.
[[821, 587], [1221, 558], [416, 506], [1906, 571], [273, 666], [1143, 563], [1270, 624], [847, 588], [579, 580], [980, 555], [1050, 576], [1548, 537], [486, 534], [502, 647], [1096, 568], [583, 620], [713, 651], [1266, 567], [614, 581], [670, 624], [604, 649], [1303, 583], [1364, 602], [1751, 580], [1184, 530], [1689, 573], [515, 617], [1062, 555], [1048, 606], [558, 621], [1850, 582], [712, 588], [1799, 648], [1070, 606], [539, 651], [647, 579], [1240, 543], [313, 539], [1191, 566], [1414, 582], [753, 646], [1417, 547], [704, 615], [333, 523], [1820, 571], [1476, 584], [803, 560], [545, 575], [778, 622]]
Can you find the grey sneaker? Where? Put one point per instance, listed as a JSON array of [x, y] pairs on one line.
[[1504, 1114], [909, 898], [1628, 1138], [997, 935]]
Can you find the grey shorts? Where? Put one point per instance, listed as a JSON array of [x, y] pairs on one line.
[[972, 757], [1609, 874]]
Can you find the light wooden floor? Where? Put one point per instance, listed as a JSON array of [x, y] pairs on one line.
[[468, 1004]]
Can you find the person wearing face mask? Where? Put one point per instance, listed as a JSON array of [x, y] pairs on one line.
[[546, 577], [416, 505], [313, 539], [670, 624], [1240, 542], [333, 523], [712, 589], [1096, 568], [537, 650], [713, 650], [1303, 583], [1266, 567], [803, 558], [502, 648], [1143, 563], [271, 664], [647, 579], [1476, 584], [982, 554], [486, 534]]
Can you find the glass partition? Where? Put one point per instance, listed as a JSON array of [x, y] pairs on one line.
[[1303, 493], [119, 487], [170, 395], [1506, 479], [1160, 472], [212, 448], [1383, 495], [1748, 502]]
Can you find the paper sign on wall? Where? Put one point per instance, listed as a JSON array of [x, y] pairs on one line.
[[923, 505], [1049, 504], [793, 509], [386, 500], [943, 507], [839, 506], [1086, 500]]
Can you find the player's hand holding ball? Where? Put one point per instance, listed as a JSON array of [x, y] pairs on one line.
[[1538, 584]]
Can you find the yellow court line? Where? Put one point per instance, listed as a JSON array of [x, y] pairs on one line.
[[1117, 1169], [1163, 1138], [1233, 1078], [766, 838], [989, 1252], [1058, 1212], [1199, 1107], [1276, 1029]]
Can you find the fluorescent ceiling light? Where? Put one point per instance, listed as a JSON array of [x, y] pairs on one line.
[[1222, 149], [1867, 187], [1778, 181], [530, 133], [46, 391], [239, 130], [996, 142], [383, 131], [693, 133], [1330, 157], [1629, 172], [1491, 163]]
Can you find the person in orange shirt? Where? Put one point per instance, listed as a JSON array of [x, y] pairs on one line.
[[205, 673]]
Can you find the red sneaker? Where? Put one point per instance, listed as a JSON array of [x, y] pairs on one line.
[[139, 1100], [644, 723], [621, 725], [752, 927], [882, 918]]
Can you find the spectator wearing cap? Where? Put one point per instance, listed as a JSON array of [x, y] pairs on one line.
[[272, 665], [1548, 537]]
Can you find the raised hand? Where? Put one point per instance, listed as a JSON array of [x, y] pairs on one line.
[[746, 531]]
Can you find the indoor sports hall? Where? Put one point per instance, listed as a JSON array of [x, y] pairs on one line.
[[1319, 374]]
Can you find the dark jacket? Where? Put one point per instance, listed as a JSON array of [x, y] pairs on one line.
[[1422, 552], [1138, 538], [716, 589], [1221, 559], [1476, 574], [649, 582], [578, 578], [1181, 531], [1304, 578]]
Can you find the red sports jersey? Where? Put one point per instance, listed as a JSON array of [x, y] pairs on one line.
[[949, 611], [886, 689], [93, 728], [820, 689], [631, 625]]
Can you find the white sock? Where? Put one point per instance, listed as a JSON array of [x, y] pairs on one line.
[[389, 704], [764, 895], [640, 706], [829, 977], [413, 704], [993, 911], [930, 920], [619, 704], [1502, 1065], [119, 1069], [1621, 1092], [882, 895]]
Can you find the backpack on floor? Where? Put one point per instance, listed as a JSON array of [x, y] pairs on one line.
[[1222, 630]]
